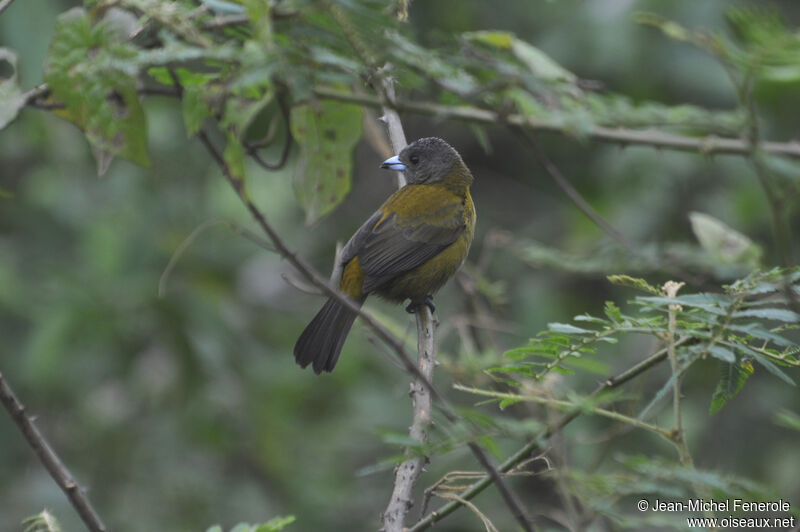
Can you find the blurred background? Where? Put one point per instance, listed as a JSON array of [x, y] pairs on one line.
[[186, 410]]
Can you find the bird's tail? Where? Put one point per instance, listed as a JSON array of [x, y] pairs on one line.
[[321, 342]]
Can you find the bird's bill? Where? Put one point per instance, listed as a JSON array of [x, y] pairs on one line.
[[393, 163]]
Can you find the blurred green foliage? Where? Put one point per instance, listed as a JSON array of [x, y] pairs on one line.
[[186, 410]]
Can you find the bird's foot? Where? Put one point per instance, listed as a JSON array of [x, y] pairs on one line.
[[412, 306]]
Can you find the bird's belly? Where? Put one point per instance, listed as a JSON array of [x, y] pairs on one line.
[[426, 279]]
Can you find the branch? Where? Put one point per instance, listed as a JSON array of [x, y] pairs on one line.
[[709, 145], [526, 450], [77, 497], [407, 473]]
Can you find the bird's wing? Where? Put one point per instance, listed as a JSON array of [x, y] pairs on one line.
[[388, 245]]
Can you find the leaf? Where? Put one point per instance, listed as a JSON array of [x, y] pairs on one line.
[[100, 94], [774, 314], [722, 353], [727, 245], [732, 379], [11, 96], [276, 524], [633, 282], [505, 403], [498, 39], [613, 312], [788, 419], [326, 132], [195, 109], [775, 370], [566, 328], [234, 158], [537, 62]]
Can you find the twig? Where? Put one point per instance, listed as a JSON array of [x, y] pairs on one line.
[[616, 416], [709, 145], [575, 196], [671, 290], [526, 450], [77, 497]]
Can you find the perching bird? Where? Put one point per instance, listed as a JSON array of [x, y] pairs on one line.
[[408, 249]]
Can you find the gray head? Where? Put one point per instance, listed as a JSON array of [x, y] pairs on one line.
[[427, 160]]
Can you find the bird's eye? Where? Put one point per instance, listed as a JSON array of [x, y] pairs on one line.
[[414, 159]]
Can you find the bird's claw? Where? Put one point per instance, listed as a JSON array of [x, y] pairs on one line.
[[412, 306]]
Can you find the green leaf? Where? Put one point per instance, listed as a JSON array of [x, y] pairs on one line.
[[722, 353], [788, 419], [772, 368], [633, 282], [234, 158], [11, 97], [195, 109], [99, 94], [731, 381], [538, 63], [775, 314], [276, 524], [613, 312], [566, 328], [725, 244], [327, 132], [498, 39], [505, 403]]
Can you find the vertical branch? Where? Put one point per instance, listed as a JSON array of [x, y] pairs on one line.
[[671, 290], [407, 472], [50, 459]]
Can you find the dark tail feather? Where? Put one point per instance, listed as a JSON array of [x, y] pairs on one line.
[[321, 342]]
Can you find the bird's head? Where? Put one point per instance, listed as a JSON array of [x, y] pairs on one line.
[[429, 160]]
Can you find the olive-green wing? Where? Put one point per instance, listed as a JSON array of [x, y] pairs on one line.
[[388, 245]]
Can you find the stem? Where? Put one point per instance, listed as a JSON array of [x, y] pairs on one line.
[[76, 495], [616, 416], [671, 289]]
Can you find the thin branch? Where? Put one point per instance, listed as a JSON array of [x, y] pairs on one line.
[[76, 495], [529, 448], [611, 414], [709, 145], [575, 196]]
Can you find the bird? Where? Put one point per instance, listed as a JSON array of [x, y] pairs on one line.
[[407, 250]]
